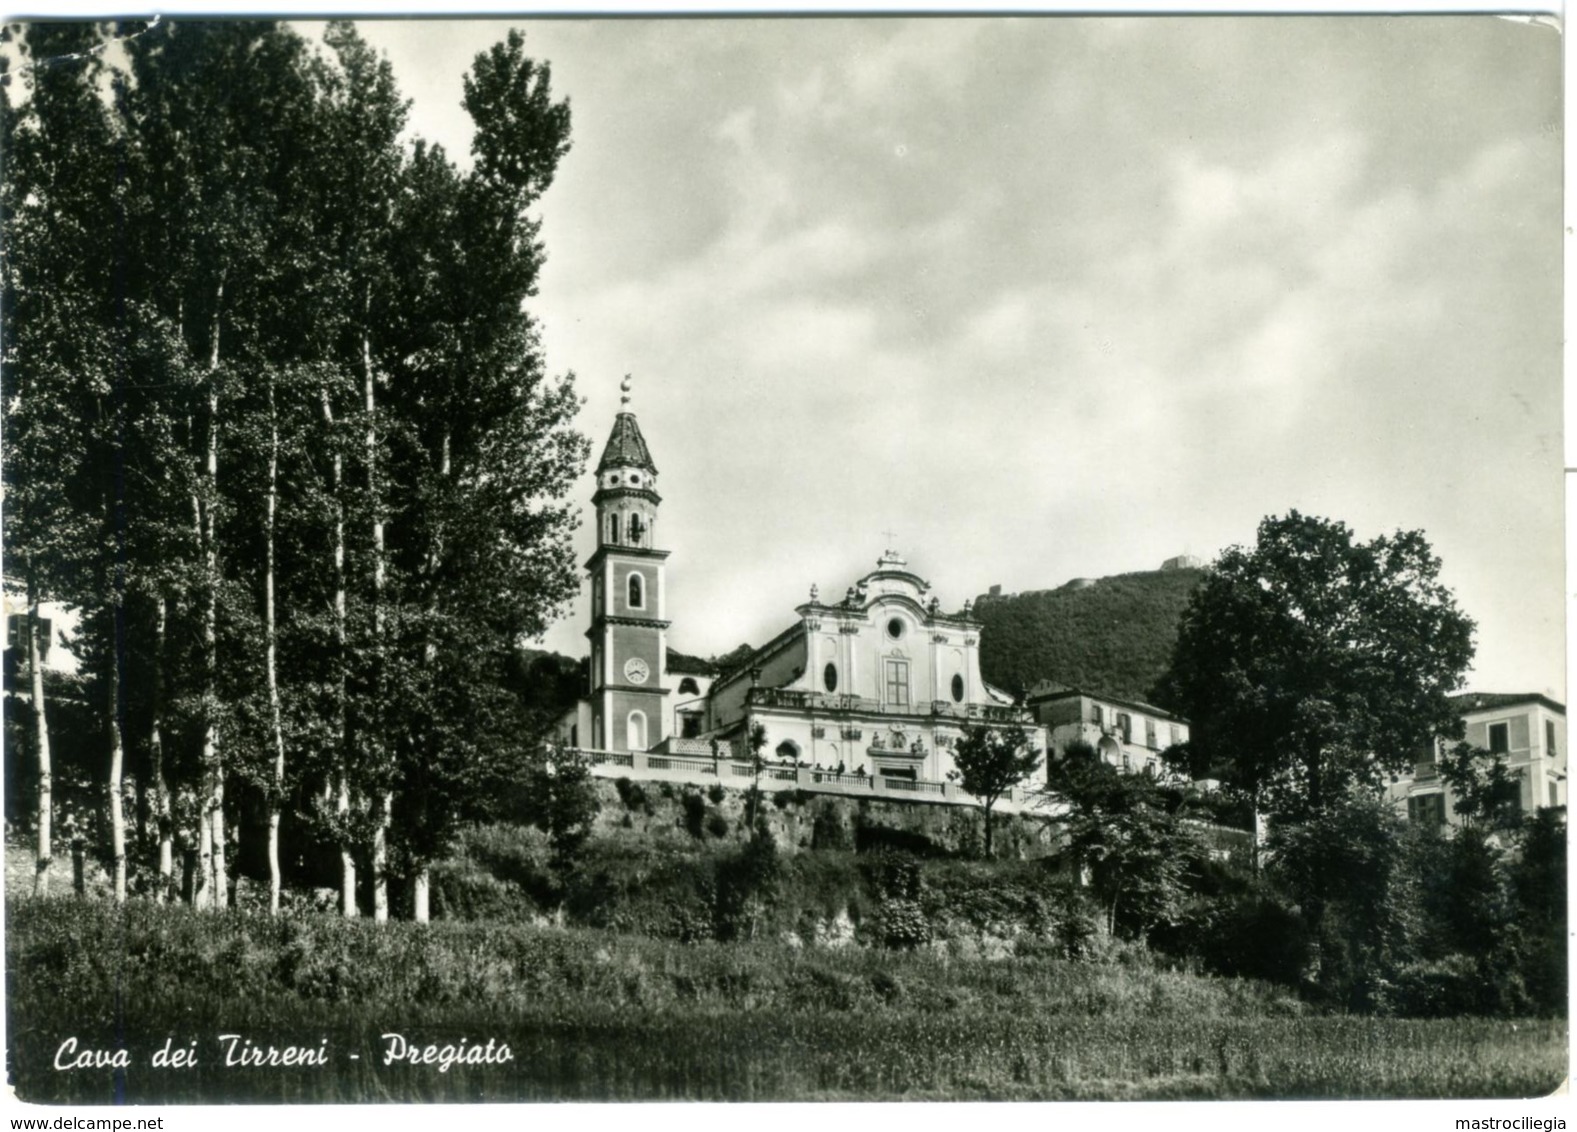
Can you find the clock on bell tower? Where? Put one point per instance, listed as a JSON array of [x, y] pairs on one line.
[[629, 671]]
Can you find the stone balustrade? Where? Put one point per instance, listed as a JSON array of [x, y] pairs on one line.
[[670, 766]]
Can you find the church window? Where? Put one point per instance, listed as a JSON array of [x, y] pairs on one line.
[[637, 592], [898, 683], [688, 687], [958, 688], [636, 530], [788, 751], [829, 677], [613, 528], [635, 480], [635, 731], [895, 628]]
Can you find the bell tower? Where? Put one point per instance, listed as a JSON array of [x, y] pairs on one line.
[[629, 667]]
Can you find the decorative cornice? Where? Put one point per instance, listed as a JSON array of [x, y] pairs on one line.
[[606, 549], [641, 689], [646, 493], [637, 622]]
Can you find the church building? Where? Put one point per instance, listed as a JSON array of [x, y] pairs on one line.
[[878, 682]]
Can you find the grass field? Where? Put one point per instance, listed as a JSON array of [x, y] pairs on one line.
[[592, 1015]]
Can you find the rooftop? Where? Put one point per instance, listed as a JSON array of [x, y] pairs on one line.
[[1490, 701], [626, 447]]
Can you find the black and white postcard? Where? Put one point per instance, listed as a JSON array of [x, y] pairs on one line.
[[836, 558]]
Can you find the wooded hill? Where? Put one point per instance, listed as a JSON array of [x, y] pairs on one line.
[[1114, 635]]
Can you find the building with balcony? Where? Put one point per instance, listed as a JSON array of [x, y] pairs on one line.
[[1529, 729], [1127, 734]]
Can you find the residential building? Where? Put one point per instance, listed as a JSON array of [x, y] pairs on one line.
[[1126, 733], [1528, 728]]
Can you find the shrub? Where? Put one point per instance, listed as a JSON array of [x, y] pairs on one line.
[[747, 883], [828, 832], [902, 924], [694, 813], [888, 987], [632, 795], [717, 824], [1255, 935], [1449, 987], [716, 793]]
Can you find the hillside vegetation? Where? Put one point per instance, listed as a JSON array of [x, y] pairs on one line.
[[1115, 635]]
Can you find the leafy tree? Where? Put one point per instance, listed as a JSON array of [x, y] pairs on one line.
[[1537, 876], [566, 806], [485, 453], [1486, 791], [1312, 663], [1128, 834], [287, 440], [1346, 868], [59, 358], [990, 762], [747, 883], [756, 741]]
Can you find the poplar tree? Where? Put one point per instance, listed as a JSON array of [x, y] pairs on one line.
[[58, 357], [487, 454]]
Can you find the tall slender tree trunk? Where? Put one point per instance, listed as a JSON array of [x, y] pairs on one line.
[[202, 893], [212, 756], [117, 751], [341, 786], [161, 785], [420, 906], [46, 805], [270, 629], [385, 802], [202, 884]]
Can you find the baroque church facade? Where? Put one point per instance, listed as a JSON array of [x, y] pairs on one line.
[[880, 681]]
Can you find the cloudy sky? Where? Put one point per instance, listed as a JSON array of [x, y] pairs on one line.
[[1054, 297]]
